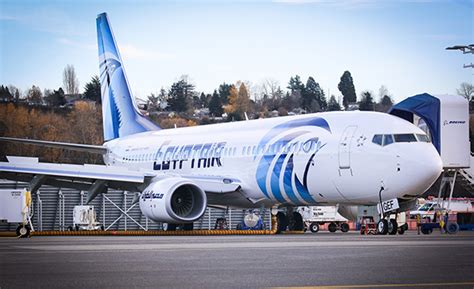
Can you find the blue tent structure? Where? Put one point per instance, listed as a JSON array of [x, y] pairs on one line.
[[425, 106]]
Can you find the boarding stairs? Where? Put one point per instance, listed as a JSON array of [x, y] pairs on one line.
[[466, 177]]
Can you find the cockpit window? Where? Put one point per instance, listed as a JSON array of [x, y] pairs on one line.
[[422, 137], [387, 139], [377, 139], [405, 137]]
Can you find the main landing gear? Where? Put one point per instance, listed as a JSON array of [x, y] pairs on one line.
[[293, 221]]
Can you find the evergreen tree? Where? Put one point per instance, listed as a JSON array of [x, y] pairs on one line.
[[5, 93], [56, 98], [92, 90], [224, 92], [313, 99], [367, 101], [205, 98], [333, 105], [296, 87], [346, 87], [215, 105], [180, 95]]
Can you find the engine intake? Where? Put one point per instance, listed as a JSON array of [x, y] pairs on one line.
[[173, 200]]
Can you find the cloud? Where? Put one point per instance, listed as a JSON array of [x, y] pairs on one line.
[[133, 52]]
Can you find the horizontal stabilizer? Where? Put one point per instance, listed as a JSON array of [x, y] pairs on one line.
[[61, 145]]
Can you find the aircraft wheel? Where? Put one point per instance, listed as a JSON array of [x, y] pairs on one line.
[[314, 227], [282, 222], [392, 227], [332, 227], [23, 231], [297, 224], [382, 227], [345, 227]]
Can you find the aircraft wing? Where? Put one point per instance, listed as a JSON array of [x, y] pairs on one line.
[[97, 178], [62, 145]]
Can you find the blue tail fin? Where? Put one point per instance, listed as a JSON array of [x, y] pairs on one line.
[[120, 115]]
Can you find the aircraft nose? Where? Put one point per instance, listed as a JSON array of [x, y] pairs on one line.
[[425, 166]]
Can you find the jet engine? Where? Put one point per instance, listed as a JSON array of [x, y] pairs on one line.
[[349, 212], [173, 200]]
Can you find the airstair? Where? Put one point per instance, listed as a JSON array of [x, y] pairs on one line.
[[466, 177]]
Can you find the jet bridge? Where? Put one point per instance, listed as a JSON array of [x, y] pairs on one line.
[[445, 118]]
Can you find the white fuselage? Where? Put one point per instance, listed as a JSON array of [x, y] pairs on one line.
[[309, 159]]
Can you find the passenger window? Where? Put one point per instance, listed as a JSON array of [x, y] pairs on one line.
[[387, 139], [407, 137], [377, 139]]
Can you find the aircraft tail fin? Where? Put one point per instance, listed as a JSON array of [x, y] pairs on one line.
[[120, 114]]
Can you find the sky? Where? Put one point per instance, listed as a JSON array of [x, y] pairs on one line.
[[400, 44]]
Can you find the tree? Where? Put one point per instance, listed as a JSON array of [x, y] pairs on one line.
[[215, 105], [333, 105], [385, 102], [5, 94], [239, 102], [295, 84], [180, 95], [224, 92], [55, 98], [204, 99], [346, 87], [16, 93], [313, 99], [153, 102], [92, 90], [34, 95], [70, 81], [243, 101], [270, 88], [466, 90], [367, 101], [293, 99]]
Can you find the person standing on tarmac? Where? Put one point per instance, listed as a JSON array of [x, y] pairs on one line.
[[441, 221]]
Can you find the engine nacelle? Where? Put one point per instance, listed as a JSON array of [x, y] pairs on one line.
[[349, 212], [173, 200]]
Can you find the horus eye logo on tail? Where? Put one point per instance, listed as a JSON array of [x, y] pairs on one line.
[[120, 115], [276, 175]]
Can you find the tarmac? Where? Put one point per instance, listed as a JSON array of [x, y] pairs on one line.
[[322, 260]]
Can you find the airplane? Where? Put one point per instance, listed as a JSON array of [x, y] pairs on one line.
[[346, 158]]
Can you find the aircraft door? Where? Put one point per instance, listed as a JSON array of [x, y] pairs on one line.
[[345, 147]]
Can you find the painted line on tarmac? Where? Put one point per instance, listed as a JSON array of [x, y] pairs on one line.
[[229, 245], [431, 285]]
